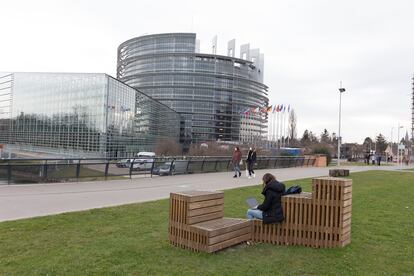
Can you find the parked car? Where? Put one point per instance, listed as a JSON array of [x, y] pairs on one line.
[[143, 161], [179, 167], [123, 163], [164, 169]]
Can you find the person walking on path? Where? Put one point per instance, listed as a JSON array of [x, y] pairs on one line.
[[236, 158], [373, 158], [251, 159], [379, 160]]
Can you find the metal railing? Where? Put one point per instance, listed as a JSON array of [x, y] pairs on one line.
[[21, 171]]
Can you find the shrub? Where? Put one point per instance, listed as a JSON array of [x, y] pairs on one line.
[[323, 150]]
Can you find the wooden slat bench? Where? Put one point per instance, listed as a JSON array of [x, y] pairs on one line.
[[318, 219], [338, 172], [196, 222]]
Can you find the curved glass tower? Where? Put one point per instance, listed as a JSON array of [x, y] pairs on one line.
[[209, 91]]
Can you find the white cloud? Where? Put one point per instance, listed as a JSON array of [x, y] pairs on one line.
[[309, 47]]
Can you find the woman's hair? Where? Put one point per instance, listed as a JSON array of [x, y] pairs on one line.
[[237, 148], [267, 178]]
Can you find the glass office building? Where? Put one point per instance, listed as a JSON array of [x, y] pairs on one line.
[[81, 114], [209, 91]]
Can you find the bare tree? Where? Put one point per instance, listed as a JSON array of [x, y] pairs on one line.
[[167, 147], [292, 125], [210, 149]]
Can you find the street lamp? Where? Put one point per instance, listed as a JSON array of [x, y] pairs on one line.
[[341, 90]]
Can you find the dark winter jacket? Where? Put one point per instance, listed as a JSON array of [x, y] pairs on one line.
[[251, 156], [272, 205]]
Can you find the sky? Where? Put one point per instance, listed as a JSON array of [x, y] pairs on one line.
[[310, 46]]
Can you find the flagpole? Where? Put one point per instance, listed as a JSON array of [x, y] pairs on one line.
[[277, 130], [288, 134], [269, 132], [273, 127], [283, 128]]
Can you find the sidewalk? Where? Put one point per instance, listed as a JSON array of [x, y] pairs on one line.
[[25, 201]]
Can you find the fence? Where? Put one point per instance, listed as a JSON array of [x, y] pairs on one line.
[[20, 171]]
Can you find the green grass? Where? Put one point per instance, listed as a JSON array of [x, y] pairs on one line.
[[132, 239]]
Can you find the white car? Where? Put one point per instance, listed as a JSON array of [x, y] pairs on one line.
[[143, 161]]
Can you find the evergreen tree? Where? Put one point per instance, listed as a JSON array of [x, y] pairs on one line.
[[381, 145]]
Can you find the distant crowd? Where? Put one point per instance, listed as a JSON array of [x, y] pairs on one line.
[[375, 159]]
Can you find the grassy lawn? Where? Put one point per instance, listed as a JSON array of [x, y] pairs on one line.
[[132, 239]]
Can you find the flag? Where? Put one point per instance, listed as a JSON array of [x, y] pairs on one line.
[[284, 109], [289, 108], [269, 108], [281, 107], [274, 109]]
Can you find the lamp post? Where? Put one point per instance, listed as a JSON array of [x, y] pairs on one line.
[[341, 90]]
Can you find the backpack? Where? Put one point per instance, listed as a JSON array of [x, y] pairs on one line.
[[293, 190]]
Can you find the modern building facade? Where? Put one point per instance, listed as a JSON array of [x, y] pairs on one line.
[[209, 91], [81, 114]]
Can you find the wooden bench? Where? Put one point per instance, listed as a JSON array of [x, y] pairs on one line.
[[338, 172], [196, 222], [318, 219]]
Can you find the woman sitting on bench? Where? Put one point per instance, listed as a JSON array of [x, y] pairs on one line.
[[270, 211]]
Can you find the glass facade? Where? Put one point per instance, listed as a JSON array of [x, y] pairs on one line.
[[209, 91], [81, 114]]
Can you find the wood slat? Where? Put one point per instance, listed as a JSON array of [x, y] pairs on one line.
[[206, 210], [228, 243], [206, 203], [206, 217], [230, 235]]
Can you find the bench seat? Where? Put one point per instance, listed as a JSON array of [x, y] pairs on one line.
[[224, 232], [321, 218], [197, 222]]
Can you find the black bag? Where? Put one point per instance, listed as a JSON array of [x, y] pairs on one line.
[[293, 190]]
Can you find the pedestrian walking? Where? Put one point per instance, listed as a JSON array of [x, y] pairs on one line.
[[251, 159], [236, 159], [379, 160], [373, 158]]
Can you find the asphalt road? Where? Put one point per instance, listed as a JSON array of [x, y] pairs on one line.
[[31, 200]]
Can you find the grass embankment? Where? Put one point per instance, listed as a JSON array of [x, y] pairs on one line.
[[132, 239]]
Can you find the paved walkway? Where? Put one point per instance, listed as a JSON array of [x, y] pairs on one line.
[[25, 201]]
